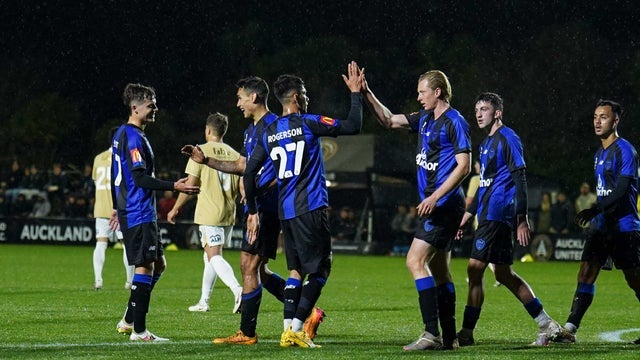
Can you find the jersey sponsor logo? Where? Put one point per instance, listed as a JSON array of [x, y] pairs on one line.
[[327, 120], [421, 160], [600, 189], [284, 134], [484, 182], [135, 155]]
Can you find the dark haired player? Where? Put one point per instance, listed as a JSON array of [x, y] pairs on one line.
[[500, 204], [132, 187], [613, 222], [293, 146], [252, 95]]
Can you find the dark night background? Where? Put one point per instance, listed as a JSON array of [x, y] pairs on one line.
[[63, 68]]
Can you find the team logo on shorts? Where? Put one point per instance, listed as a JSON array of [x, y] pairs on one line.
[[428, 226], [480, 244]]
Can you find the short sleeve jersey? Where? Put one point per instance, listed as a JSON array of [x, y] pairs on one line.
[[216, 204], [620, 159], [500, 155], [267, 200], [131, 151], [439, 141], [292, 143], [101, 175]]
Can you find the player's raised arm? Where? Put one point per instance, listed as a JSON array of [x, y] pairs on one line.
[[385, 117]]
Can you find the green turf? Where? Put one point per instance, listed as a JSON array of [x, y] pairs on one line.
[[50, 310]]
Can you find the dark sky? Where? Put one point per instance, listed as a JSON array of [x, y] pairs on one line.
[[192, 52], [90, 49]]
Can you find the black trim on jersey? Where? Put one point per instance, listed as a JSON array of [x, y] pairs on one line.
[[618, 193], [353, 123], [148, 182], [520, 180], [473, 207]]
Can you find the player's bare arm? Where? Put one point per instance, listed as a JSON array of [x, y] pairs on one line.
[[230, 167], [384, 116]]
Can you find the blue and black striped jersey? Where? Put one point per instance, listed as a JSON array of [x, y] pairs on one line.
[[293, 144], [620, 159], [131, 150], [268, 198], [500, 155], [439, 141]]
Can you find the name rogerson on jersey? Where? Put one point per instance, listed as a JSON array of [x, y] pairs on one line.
[[284, 134]]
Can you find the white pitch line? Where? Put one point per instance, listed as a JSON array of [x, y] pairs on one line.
[[616, 336], [111, 344]]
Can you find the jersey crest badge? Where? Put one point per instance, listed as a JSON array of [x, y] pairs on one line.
[[135, 155]]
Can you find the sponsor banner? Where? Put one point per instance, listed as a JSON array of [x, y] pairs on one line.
[[82, 232], [559, 247]]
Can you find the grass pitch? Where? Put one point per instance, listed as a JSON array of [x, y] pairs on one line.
[[50, 310]]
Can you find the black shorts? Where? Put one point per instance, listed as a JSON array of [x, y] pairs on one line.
[[142, 243], [439, 229], [266, 245], [623, 247], [307, 242], [493, 243]]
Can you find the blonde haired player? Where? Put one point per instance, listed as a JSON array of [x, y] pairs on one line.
[[215, 210], [101, 175]]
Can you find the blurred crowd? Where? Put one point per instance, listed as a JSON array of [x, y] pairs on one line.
[[60, 191]]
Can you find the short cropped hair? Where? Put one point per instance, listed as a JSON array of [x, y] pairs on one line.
[[494, 99], [286, 85], [437, 79], [218, 123], [615, 107], [137, 93], [254, 84]]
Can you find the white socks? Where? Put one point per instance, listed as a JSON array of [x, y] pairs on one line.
[[542, 319], [225, 272], [129, 269], [209, 277], [98, 260]]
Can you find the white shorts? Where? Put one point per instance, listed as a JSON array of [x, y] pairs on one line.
[[214, 235], [104, 231]]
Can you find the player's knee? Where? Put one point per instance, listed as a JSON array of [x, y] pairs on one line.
[[324, 270]]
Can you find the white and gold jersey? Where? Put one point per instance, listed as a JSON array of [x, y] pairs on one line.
[[218, 190], [101, 176]]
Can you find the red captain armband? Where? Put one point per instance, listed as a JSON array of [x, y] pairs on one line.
[[327, 120]]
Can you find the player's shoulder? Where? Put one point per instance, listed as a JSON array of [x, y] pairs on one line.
[[625, 145], [455, 116], [507, 132], [269, 118], [103, 156]]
